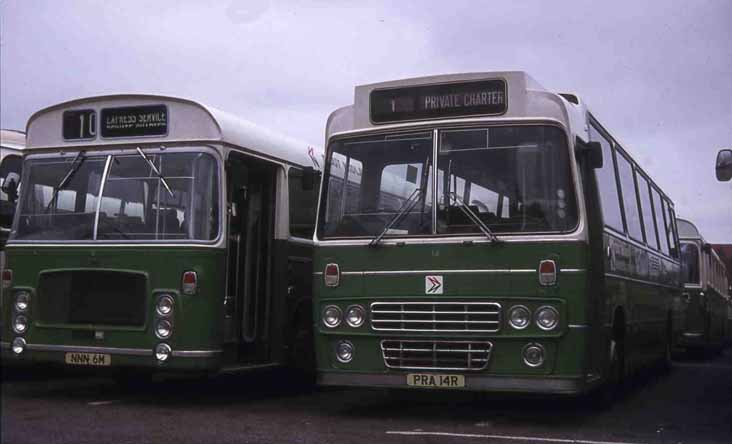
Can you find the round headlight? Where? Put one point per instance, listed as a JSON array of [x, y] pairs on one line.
[[20, 324], [332, 316], [18, 345], [355, 315], [547, 318], [22, 301], [344, 352], [163, 329], [533, 355], [519, 317], [162, 352], [164, 307]]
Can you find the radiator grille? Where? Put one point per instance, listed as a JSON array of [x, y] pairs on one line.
[[97, 297], [436, 355], [443, 317]]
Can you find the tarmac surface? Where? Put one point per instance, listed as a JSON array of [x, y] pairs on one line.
[[691, 404]]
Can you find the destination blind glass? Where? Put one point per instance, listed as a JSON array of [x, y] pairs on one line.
[[79, 124], [135, 121], [486, 97]]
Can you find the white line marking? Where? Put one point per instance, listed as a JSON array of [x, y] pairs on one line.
[[510, 438], [96, 403]]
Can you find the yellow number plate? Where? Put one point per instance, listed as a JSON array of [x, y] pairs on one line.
[[435, 381], [88, 359]]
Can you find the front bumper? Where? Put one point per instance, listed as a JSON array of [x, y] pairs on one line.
[[506, 384], [180, 360]]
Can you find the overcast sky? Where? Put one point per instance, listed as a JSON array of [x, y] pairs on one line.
[[657, 74]]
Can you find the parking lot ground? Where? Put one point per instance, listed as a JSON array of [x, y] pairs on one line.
[[691, 404]]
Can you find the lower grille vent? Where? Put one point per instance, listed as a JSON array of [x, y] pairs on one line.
[[436, 355]]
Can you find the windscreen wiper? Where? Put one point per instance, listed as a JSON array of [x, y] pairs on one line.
[[474, 218], [406, 207], [156, 171], [75, 165]]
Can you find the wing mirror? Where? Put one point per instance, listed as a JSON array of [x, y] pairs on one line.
[[724, 165], [591, 151], [10, 186]]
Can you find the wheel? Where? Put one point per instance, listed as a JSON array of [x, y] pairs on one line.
[[664, 363], [612, 388]]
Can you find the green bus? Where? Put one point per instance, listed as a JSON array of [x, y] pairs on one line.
[[478, 232], [705, 292], [157, 234]]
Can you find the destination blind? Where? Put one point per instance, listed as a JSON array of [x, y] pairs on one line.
[[487, 97], [135, 121]]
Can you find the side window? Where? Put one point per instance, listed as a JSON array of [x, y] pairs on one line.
[[658, 211], [606, 183], [303, 204], [630, 201], [648, 223], [673, 238]]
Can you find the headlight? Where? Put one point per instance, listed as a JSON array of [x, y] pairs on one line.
[[162, 352], [355, 315], [344, 352], [18, 345], [533, 355], [163, 329], [22, 301], [332, 316], [20, 324], [547, 318], [164, 307], [519, 317]]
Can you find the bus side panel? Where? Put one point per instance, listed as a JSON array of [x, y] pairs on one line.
[[642, 286]]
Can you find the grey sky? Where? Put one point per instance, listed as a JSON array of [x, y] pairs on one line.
[[657, 74]]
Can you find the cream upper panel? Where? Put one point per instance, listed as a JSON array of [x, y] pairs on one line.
[[525, 99], [186, 121]]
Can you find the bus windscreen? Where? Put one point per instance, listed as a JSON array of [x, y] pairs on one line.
[[134, 203], [516, 179]]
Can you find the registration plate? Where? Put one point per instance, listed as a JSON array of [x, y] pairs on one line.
[[435, 381], [97, 359]]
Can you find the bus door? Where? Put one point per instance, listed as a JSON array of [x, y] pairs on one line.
[[251, 186]]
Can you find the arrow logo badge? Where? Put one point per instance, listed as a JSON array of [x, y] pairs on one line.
[[433, 284]]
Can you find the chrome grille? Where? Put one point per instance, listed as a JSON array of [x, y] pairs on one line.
[[442, 317], [435, 355]]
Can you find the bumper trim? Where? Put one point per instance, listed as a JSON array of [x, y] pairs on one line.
[[562, 386], [196, 353], [115, 350]]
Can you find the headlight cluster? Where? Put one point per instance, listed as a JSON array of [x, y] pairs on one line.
[[332, 316], [163, 327], [21, 319], [545, 317]]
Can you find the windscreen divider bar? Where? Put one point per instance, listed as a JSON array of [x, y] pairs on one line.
[[99, 197]]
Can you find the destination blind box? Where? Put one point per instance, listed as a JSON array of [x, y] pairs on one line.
[[134, 121], [478, 98]]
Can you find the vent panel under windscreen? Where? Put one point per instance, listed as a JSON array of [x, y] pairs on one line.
[[96, 297]]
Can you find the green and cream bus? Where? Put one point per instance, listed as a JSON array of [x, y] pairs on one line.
[[156, 233], [478, 232], [705, 291]]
